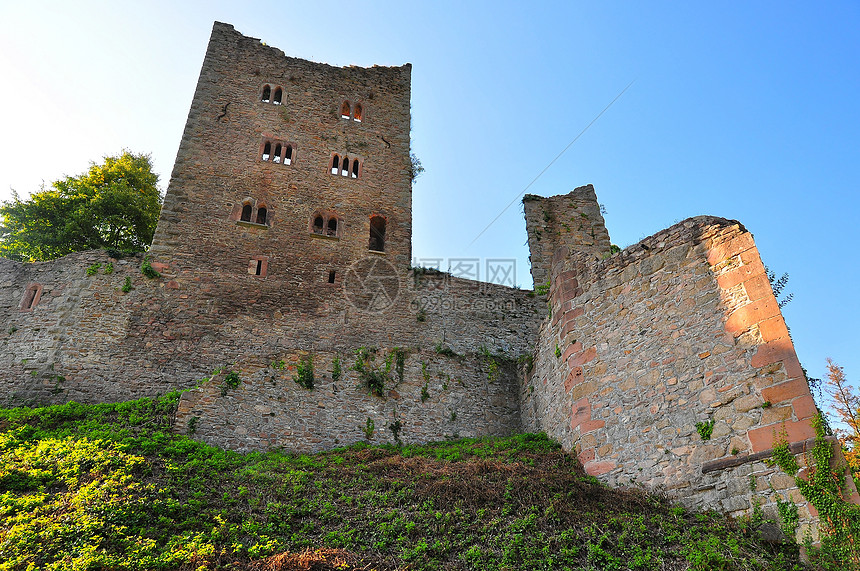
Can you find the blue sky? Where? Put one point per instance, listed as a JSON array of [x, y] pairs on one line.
[[744, 110]]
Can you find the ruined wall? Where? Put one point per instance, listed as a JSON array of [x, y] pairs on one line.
[[569, 221], [679, 329], [439, 396]]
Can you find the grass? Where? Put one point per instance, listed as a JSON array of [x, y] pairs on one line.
[[111, 487]]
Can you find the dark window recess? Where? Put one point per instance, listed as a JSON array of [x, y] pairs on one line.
[[276, 99], [344, 167], [259, 267], [331, 229], [377, 234], [267, 151], [344, 110], [355, 168], [318, 225], [288, 155], [261, 215], [266, 94], [335, 163], [277, 157], [331, 277], [246, 213]]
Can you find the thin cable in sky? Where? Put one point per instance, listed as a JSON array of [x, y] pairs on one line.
[[523, 191]]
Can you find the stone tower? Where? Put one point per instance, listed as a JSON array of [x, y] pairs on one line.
[[288, 171]]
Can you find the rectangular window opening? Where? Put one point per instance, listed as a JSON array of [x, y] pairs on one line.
[[259, 267], [331, 277]]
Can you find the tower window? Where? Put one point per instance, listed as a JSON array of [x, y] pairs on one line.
[[276, 98], [355, 168], [261, 215], [344, 166], [258, 266], [331, 277], [277, 157], [31, 296], [267, 151], [288, 155], [267, 91], [246, 213], [278, 151], [325, 224], [345, 111], [377, 234], [335, 163], [356, 115]]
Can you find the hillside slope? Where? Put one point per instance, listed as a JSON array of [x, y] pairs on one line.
[[111, 487]]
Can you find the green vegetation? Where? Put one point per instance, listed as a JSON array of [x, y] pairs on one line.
[[705, 429], [126, 286], [94, 269], [113, 205], [305, 373], [147, 269], [111, 487], [824, 488]]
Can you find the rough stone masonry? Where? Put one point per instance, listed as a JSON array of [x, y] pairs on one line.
[[284, 249]]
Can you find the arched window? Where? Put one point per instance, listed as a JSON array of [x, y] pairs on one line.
[[246, 213], [277, 156], [355, 168], [267, 151], [377, 234], [276, 98], [357, 113], [318, 225], [262, 212], [335, 163], [345, 167], [344, 110], [288, 155], [266, 94], [331, 227]]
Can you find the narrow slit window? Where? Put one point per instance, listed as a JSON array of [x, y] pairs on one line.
[[246, 213], [331, 277], [31, 296], [377, 234], [345, 167], [288, 155], [276, 98], [259, 269], [357, 113], [266, 94], [318, 225], [344, 110], [261, 215], [277, 156], [267, 151], [355, 168], [331, 227], [335, 164]]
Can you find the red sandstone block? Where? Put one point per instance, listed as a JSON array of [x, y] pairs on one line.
[[804, 407], [581, 412], [567, 327], [773, 328], [740, 274], [571, 349], [583, 357], [573, 313], [586, 456], [764, 438], [751, 256], [792, 366], [599, 468], [159, 266], [773, 352], [731, 248], [591, 425], [573, 378], [786, 391], [750, 314], [758, 287]]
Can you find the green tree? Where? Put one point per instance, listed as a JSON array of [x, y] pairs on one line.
[[113, 205]]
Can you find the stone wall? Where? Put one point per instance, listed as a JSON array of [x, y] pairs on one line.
[[679, 329]]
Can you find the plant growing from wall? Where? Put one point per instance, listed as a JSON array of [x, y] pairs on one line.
[[369, 428], [304, 376], [371, 376], [231, 381], [126, 286], [147, 269], [395, 428], [399, 362], [444, 350], [825, 489], [425, 394], [94, 269], [108, 268], [705, 429], [335, 368]]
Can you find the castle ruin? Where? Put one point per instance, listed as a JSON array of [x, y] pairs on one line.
[[284, 250]]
